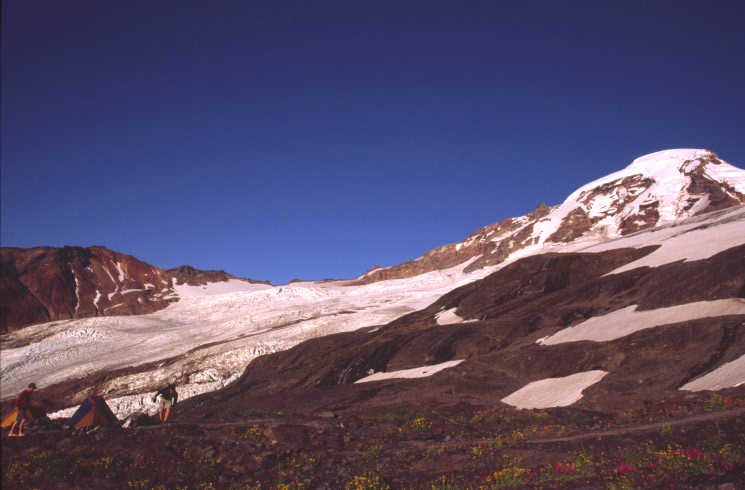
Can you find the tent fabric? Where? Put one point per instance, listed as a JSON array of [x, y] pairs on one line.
[[93, 411], [33, 412], [12, 417]]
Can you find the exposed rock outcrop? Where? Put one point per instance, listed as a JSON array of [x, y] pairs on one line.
[[190, 276], [46, 284]]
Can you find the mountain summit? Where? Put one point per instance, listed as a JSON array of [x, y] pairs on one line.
[[654, 190]]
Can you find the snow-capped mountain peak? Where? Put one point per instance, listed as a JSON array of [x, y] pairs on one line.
[[654, 190]]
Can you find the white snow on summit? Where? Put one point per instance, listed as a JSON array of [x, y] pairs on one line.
[[610, 203]]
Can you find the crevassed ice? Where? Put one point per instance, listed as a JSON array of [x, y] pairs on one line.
[[236, 323]]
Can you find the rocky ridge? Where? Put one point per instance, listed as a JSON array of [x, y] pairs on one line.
[[45, 284]]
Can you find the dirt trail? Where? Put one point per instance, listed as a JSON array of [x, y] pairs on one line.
[[612, 432], [585, 435], [644, 427]]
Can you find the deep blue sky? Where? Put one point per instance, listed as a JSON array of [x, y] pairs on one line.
[[317, 139]]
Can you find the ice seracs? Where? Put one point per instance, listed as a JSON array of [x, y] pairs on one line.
[[218, 327]]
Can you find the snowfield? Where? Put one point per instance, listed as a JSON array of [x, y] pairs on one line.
[[626, 321], [728, 375], [448, 317], [553, 392], [420, 372], [687, 240]]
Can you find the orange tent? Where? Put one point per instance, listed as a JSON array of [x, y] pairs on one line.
[[93, 411], [33, 412]]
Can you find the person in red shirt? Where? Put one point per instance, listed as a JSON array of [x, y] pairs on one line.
[[22, 403]]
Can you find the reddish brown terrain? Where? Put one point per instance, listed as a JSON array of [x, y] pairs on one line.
[[45, 284]]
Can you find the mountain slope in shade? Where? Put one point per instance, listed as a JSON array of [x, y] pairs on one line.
[[644, 334], [654, 190], [45, 284]]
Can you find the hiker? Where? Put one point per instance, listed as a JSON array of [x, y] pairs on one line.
[[168, 397], [21, 404]]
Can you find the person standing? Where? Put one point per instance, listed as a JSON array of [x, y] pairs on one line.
[[168, 398], [22, 403]]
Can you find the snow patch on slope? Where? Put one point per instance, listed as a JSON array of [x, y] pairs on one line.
[[554, 392], [626, 321], [448, 317], [728, 375], [692, 239], [77, 292], [420, 372], [693, 244], [121, 272]]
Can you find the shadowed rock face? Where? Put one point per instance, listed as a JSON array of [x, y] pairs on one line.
[[505, 314], [45, 284]]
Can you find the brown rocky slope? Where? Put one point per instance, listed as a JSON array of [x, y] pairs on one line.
[[45, 284]]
